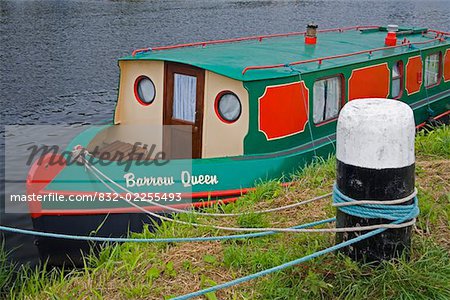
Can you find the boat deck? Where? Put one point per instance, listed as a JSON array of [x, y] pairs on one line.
[[121, 151]]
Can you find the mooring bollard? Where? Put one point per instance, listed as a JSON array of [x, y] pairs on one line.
[[375, 161]]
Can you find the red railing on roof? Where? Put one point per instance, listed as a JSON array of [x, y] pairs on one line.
[[321, 59], [442, 33], [257, 37]]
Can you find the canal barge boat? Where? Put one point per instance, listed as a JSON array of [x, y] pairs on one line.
[[255, 108]]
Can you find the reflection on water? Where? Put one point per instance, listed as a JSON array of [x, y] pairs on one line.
[[58, 59]]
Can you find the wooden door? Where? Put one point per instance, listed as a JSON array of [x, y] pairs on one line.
[[183, 105]]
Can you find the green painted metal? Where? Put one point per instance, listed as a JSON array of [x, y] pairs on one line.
[[230, 59], [256, 142], [251, 170], [263, 159]]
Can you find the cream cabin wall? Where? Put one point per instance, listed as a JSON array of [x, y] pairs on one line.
[[129, 110], [139, 123], [221, 139]]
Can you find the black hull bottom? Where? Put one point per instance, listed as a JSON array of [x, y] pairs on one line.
[[60, 252]]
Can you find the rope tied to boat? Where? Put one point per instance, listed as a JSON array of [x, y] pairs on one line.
[[401, 215], [79, 154], [99, 174]]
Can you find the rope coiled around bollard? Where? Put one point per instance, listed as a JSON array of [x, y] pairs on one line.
[[108, 182], [399, 214], [374, 209]]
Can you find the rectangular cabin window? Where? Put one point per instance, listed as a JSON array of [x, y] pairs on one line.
[[184, 97], [327, 98], [432, 69], [397, 80]]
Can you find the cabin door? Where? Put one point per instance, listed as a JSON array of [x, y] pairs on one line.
[[183, 105]]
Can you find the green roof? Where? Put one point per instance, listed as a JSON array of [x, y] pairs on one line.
[[230, 59]]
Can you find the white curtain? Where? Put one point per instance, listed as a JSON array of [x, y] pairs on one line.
[[432, 69], [396, 81], [327, 95], [333, 97], [184, 97], [319, 101]]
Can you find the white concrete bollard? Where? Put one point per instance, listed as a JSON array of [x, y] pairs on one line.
[[375, 161]]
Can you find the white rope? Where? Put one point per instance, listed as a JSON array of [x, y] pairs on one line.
[[382, 202], [244, 229]]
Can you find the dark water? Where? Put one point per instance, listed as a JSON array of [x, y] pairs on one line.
[[58, 59]]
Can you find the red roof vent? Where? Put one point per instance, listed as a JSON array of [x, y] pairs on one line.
[[391, 37], [311, 34]]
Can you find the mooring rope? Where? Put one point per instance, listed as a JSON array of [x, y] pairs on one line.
[[152, 240], [251, 229], [400, 214], [376, 209], [338, 197], [305, 103], [347, 201], [280, 267], [401, 217]]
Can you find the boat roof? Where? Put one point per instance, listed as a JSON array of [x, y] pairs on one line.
[[283, 55]]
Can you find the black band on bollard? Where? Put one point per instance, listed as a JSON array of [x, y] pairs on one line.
[[372, 184]]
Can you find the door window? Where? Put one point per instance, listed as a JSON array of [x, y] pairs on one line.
[[184, 97]]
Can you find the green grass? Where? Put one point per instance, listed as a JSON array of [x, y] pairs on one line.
[[434, 143], [424, 277], [159, 271], [6, 271]]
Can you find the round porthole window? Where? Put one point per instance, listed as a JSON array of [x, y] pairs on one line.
[[228, 107], [144, 90]]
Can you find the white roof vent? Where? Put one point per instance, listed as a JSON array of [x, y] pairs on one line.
[[392, 28]]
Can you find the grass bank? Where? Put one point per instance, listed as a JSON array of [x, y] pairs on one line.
[[159, 271]]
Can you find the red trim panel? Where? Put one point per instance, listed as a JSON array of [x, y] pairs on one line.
[[283, 110], [447, 65], [369, 82], [442, 115], [413, 75]]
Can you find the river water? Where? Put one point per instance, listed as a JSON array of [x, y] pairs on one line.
[[58, 59]]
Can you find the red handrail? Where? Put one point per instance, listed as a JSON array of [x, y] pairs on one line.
[[257, 37], [439, 32], [321, 59]]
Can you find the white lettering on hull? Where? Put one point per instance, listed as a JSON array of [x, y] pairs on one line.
[[132, 181], [187, 179]]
